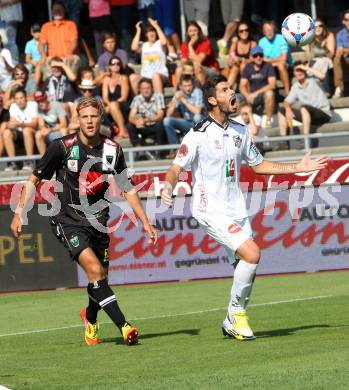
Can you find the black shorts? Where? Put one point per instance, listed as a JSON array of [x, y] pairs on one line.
[[318, 117], [77, 238]]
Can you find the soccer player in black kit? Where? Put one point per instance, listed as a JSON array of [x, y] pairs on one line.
[[77, 223]]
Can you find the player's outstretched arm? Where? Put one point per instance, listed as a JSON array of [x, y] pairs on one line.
[[281, 168], [134, 201], [171, 180], [27, 193]]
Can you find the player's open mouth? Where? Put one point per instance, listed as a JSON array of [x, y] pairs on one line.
[[232, 101]]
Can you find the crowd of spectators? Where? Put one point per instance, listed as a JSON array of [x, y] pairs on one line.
[[40, 88]]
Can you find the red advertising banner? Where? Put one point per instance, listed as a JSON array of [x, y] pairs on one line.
[[298, 230]]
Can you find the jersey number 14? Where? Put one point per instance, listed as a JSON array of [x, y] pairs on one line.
[[229, 168]]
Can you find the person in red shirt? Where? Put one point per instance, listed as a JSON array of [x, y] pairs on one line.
[[198, 48]]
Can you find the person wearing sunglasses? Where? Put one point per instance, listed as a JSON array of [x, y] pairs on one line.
[[341, 60], [258, 83], [115, 93], [320, 53], [239, 54], [20, 78]]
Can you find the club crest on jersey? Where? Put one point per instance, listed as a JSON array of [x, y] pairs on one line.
[[74, 152], [73, 165], [237, 140], [74, 241], [182, 151], [217, 145]]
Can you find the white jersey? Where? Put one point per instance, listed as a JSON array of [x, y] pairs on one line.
[[214, 153]]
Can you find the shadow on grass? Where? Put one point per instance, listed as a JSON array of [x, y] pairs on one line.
[[144, 336], [288, 331]]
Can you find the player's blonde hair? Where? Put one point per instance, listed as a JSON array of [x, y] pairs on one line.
[[90, 102]]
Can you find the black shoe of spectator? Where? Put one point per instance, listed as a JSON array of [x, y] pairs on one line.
[[11, 167]]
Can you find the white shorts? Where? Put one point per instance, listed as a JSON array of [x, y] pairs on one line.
[[226, 231]]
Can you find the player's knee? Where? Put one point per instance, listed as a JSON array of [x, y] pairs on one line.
[[96, 272], [254, 256]]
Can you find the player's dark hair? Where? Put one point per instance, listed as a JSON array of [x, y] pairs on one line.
[[209, 89], [186, 77], [90, 101]]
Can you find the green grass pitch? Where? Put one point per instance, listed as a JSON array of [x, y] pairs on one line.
[[301, 323]]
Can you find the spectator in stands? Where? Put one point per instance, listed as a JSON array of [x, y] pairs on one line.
[[320, 53], [258, 83], [146, 115], [239, 54], [314, 105], [153, 54], [20, 79], [198, 10], [6, 67], [100, 17], [341, 60], [4, 117], [32, 48], [21, 128], [115, 93], [52, 121], [61, 37], [73, 9], [146, 10], [10, 15], [166, 14], [111, 50], [253, 122], [59, 85], [276, 51], [188, 102], [198, 49], [231, 12], [124, 16]]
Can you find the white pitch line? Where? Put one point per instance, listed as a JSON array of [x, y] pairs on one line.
[[165, 316], [4, 388]]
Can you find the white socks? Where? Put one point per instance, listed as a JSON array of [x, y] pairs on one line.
[[242, 286]]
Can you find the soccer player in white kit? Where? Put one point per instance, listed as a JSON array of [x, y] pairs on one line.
[[214, 150]]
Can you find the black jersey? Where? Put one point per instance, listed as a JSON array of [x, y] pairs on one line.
[[83, 174]]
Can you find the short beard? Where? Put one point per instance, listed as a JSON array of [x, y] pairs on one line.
[[223, 107]]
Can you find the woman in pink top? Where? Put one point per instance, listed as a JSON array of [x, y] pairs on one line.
[[99, 12]]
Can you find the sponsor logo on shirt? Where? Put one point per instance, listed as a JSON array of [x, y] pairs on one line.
[[182, 151], [254, 150], [74, 152], [90, 183], [237, 140], [71, 141], [217, 145], [234, 228]]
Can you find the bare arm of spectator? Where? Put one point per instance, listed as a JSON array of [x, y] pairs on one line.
[[198, 58], [289, 112], [29, 60], [9, 68], [196, 110], [105, 90], [67, 69], [330, 44], [158, 117], [244, 87], [74, 123], [314, 72], [161, 35], [42, 45], [171, 108], [125, 89], [90, 58], [132, 116], [277, 60], [38, 74], [13, 123], [136, 39], [254, 128]]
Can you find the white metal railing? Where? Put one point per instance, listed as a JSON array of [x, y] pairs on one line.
[[158, 165]]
